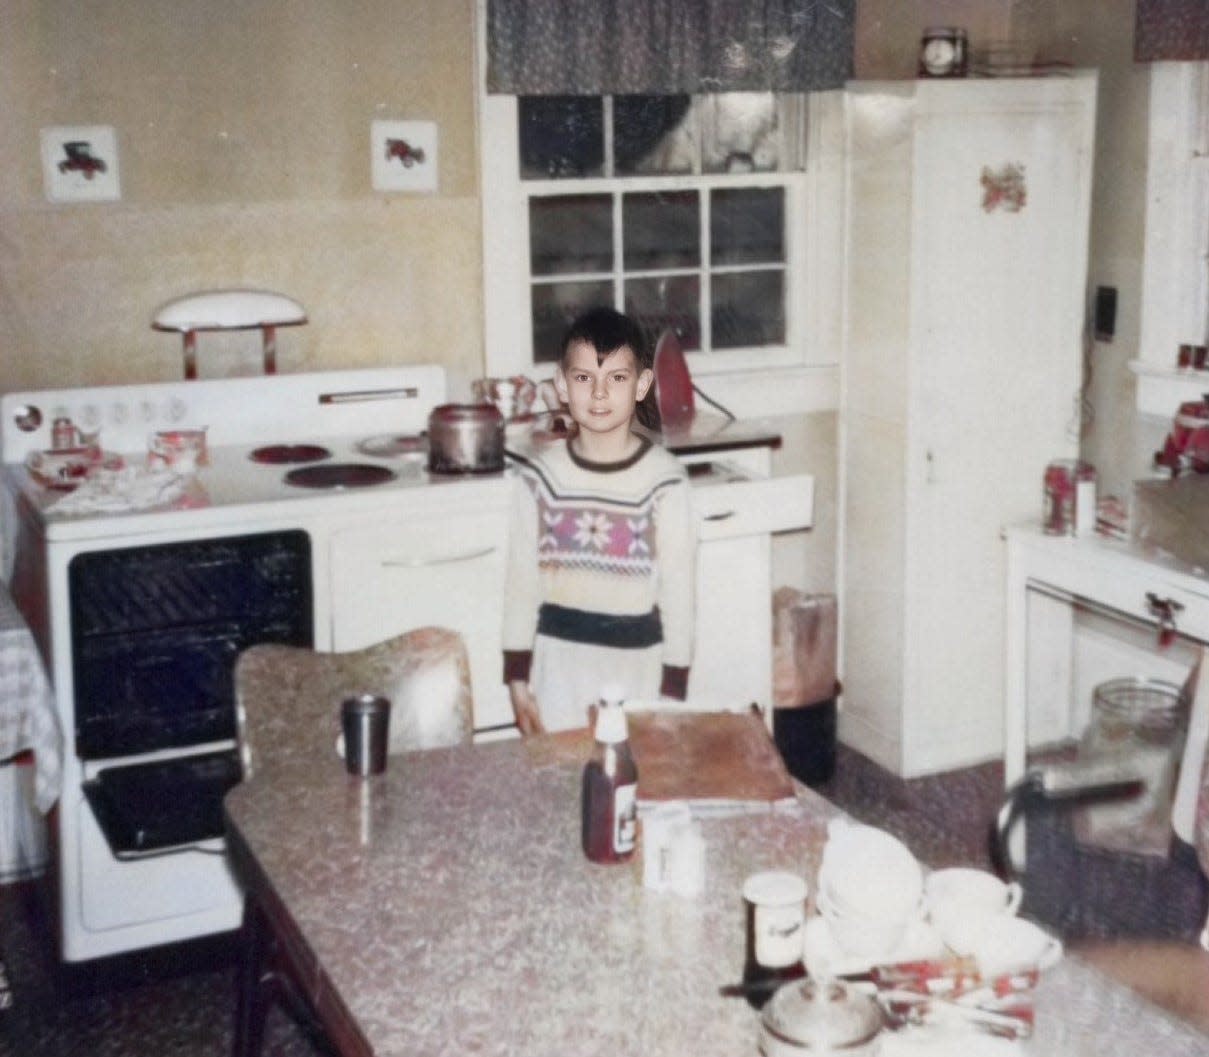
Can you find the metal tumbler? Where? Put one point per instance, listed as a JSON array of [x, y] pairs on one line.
[[365, 720]]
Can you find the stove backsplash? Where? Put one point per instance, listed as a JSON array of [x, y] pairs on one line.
[[248, 410]]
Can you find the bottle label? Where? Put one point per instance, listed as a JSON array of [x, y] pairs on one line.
[[778, 934], [625, 818]]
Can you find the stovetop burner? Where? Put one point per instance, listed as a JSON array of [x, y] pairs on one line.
[[339, 475], [279, 454]]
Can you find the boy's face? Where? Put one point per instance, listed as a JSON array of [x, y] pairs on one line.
[[601, 397]]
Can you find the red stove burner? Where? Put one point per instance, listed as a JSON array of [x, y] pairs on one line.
[[339, 475], [278, 454]]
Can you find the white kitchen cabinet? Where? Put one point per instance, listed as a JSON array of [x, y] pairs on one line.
[[967, 224], [410, 572]]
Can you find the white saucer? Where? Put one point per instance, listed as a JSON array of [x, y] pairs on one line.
[[819, 948]]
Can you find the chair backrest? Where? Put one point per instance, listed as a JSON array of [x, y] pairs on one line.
[[288, 698]]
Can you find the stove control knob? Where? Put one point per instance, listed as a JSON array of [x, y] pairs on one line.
[[147, 411], [90, 416], [176, 409]]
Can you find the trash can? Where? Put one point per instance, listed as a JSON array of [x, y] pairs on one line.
[[804, 686]]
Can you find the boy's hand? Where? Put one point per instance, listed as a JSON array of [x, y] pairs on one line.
[[524, 707]]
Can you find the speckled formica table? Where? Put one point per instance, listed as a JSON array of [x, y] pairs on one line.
[[445, 907]]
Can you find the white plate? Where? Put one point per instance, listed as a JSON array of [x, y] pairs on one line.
[[819, 948]]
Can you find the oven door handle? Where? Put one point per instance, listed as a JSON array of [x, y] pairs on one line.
[[445, 559], [200, 847]]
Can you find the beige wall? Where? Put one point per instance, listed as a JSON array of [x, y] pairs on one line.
[[243, 134]]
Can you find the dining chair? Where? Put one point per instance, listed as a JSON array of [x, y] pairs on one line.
[[288, 697], [288, 710]]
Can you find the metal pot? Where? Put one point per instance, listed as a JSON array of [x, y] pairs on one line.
[[465, 438]]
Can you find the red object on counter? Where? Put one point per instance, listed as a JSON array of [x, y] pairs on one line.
[[1069, 498]]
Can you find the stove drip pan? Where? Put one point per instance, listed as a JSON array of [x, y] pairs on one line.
[[339, 475], [280, 454]]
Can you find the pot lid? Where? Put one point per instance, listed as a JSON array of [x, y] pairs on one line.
[[819, 1016]]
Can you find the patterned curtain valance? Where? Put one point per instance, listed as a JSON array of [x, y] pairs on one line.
[[1176, 30], [667, 47]]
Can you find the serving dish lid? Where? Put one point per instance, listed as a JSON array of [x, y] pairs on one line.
[[818, 1017]]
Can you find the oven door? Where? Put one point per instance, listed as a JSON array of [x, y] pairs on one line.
[[163, 806]]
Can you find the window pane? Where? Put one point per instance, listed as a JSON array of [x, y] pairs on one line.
[[747, 226], [653, 134], [748, 309], [740, 132], [561, 136], [556, 306], [669, 301], [570, 234], [661, 230]]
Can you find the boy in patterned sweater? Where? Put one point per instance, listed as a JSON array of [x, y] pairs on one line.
[[601, 550]]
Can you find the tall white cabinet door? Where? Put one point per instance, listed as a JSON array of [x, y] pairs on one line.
[[447, 571], [1002, 194], [988, 299]]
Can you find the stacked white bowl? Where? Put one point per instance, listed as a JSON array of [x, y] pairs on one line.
[[869, 888]]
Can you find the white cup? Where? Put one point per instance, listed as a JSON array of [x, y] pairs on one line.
[[960, 897], [1003, 944]]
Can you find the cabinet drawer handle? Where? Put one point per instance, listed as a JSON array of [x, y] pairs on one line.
[[446, 559], [1165, 610], [719, 517]]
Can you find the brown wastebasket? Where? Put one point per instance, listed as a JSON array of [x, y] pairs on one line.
[[804, 685]]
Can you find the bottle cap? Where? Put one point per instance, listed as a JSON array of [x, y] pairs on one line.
[[611, 723]]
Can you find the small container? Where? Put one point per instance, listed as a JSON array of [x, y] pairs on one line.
[[62, 434], [1069, 498], [1144, 723], [943, 52], [365, 721], [610, 788], [776, 928]]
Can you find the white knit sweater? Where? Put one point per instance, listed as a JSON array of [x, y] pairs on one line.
[[612, 538]]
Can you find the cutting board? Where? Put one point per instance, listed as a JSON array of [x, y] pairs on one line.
[[719, 757]]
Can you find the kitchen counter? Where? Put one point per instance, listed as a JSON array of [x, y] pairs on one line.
[[446, 906]]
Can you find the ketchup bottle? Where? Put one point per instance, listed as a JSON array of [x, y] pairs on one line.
[[610, 789]]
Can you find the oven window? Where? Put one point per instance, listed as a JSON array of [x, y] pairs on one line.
[[156, 631]]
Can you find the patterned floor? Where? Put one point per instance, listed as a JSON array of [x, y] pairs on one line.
[[181, 1004]]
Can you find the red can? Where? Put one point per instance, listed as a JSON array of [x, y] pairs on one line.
[[1069, 498]]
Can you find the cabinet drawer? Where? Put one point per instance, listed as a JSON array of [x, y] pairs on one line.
[[735, 504]]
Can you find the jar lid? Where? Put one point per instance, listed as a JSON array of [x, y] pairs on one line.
[[819, 1016]]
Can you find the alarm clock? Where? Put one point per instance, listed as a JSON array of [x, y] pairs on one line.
[[942, 53]]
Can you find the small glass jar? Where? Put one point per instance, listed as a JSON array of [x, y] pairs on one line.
[[1069, 498]]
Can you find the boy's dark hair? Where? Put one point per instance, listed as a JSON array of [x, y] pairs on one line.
[[608, 330]]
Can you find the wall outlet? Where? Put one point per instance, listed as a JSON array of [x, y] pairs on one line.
[[403, 155], [80, 163]]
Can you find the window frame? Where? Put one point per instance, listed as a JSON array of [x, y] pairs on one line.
[[801, 374]]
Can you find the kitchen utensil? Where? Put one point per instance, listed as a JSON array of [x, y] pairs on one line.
[[365, 721], [465, 438], [820, 1017], [512, 397]]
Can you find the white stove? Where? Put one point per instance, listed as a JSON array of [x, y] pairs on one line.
[[371, 560]]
